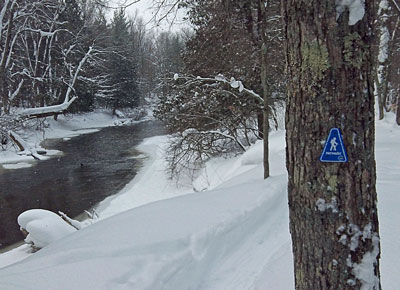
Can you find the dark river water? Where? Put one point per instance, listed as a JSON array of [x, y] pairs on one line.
[[92, 167]]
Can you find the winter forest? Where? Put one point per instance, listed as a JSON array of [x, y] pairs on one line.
[[214, 144]]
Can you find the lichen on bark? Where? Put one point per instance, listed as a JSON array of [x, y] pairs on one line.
[[353, 55], [315, 59]]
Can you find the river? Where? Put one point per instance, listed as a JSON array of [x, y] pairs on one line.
[[92, 167]]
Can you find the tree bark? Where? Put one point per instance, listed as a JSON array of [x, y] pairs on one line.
[[265, 89], [384, 59], [265, 112], [7, 47], [332, 206], [398, 111], [260, 121]]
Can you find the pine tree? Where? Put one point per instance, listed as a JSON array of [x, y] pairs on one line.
[[121, 65]]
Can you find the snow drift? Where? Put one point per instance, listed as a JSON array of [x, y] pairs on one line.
[[234, 235], [213, 240]]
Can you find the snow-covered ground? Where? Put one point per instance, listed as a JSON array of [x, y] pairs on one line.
[[231, 234]]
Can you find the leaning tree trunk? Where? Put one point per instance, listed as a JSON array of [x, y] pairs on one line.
[[332, 206]]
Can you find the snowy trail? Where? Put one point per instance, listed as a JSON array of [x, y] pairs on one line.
[[232, 236], [388, 184], [258, 237], [201, 241]]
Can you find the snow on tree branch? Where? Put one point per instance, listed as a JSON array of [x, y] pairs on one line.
[[48, 110], [78, 69], [220, 78]]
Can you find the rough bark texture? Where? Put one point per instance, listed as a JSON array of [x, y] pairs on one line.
[[398, 111], [263, 52], [7, 45], [332, 206], [383, 69], [385, 66], [16, 142]]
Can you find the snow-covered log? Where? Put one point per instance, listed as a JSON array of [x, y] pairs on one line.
[[23, 146], [18, 141], [43, 227], [47, 111]]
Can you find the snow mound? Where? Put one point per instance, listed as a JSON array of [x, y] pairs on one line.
[[43, 227], [253, 156]]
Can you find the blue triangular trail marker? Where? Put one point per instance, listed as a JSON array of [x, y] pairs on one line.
[[334, 150]]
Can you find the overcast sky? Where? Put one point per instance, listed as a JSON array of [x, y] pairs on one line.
[[146, 11]]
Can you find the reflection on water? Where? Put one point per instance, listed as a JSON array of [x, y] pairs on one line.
[[92, 167]]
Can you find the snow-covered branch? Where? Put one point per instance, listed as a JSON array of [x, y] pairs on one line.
[[236, 84], [12, 95], [77, 71], [229, 137], [57, 109], [215, 132], [396, 5]]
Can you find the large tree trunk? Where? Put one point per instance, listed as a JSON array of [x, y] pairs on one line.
[[332, 206]]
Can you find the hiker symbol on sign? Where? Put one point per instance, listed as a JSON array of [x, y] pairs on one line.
[[334, 150]]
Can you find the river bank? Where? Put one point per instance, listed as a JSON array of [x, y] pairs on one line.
[[70, 179], [66, 127]]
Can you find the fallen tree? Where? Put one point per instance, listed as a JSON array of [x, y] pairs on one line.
[[48, 111], [55, 110], [42, 112], [24, 147]]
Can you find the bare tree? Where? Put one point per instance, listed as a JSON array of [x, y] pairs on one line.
[[41, 51], [44, 49]]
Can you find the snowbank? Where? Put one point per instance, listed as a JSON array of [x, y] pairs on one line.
[[233, 235], [212, 240], [149, 185]]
